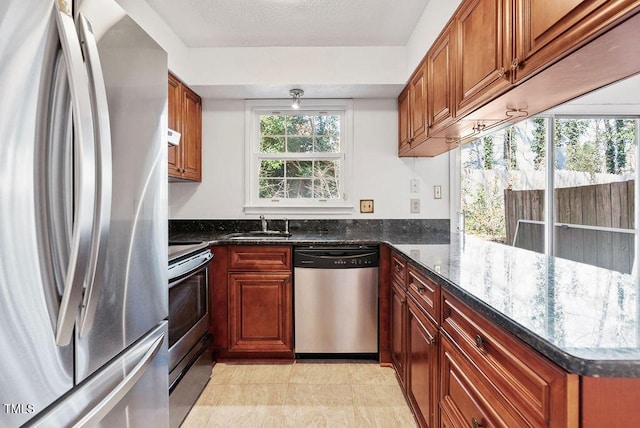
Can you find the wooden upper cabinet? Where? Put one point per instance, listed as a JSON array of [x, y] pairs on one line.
[[192, 136], [417, 106], [483, 36], [403, 122], [184, 116], [546, 30], [174, 99], [440, 68]]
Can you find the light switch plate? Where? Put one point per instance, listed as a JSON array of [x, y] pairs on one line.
[[437, 192], [415, 206], [366, 206]]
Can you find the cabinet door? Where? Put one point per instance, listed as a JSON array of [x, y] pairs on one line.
[[260, 312], [398, 330], [417, 106], [422, 366], [439, 83], [463, 398], [403, 122], [483, 35], [191, 136], [174, 107], [546, 30]]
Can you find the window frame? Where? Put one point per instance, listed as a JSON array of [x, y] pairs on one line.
[[252, 157]]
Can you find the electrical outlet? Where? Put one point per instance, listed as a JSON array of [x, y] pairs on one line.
[[415, 206], [366, 206], [437, 192], [415, 185]]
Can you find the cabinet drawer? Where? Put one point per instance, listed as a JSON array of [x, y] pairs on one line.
[[465, 399], [398, 269], [529, 385], [260, 258], [424, 291]]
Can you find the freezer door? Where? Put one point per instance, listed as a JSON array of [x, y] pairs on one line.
[[34, 370], [133, 288], [131, 391]]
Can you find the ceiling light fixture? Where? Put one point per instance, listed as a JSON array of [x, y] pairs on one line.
[[296, 94]]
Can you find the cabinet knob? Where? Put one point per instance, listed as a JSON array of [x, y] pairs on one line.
[[476, 423], [502, 73], [421, 289], [479, 341], [516, 63]]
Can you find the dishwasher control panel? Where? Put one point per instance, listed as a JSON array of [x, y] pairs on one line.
[[336, 257]]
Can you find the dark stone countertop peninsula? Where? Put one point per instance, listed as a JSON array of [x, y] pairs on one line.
[[583, 318]]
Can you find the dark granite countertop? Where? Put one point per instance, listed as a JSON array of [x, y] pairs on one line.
[[583, 318]]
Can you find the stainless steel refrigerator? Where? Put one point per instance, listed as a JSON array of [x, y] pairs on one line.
[[83, 217]]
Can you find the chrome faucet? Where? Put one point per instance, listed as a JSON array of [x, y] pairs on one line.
[[286, 225], [264, 223]]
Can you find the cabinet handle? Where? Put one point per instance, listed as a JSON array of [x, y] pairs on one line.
[[476, 423], [515, 63], [421, 289], [479, 341], [397, 266], [502, 73]]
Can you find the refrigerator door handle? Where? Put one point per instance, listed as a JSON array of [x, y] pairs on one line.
[[117, 394], [102, 216], [84, 171]]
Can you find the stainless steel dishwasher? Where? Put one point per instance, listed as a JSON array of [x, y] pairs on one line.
[[336, 300]]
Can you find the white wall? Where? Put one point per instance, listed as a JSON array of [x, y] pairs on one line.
[[151, 22], [378, 173], [433, 19]]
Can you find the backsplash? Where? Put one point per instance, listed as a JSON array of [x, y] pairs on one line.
[[432, 227]]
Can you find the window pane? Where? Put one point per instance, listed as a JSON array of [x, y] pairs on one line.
[[271, 168], [272, 145], [328, 144], [594, 181], [300, 125], [269, 188], [299, 144], [299, 168], [327, 124], [503, 185], [326, 189], [327, 169], [272, 124], [297, 188]]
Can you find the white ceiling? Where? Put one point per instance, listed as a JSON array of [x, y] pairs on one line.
[[240, 23]]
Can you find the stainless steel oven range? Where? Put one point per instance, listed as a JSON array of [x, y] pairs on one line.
[[190, 357]]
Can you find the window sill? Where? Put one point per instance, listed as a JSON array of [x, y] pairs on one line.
[[270, 209]]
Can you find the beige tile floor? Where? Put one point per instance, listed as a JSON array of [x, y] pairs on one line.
[[302, 394]]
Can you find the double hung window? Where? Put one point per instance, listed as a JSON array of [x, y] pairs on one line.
[[297, 158]]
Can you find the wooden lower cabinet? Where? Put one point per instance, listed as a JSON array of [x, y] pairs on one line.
[[422, 365], [519, 382], [458, 369], [398, 319], [252, 305], [465, 400], [260, 312]]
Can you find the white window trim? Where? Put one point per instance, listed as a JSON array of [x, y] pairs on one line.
[[254, 205]]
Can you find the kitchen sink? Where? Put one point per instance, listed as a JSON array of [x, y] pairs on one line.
[[257, 235]]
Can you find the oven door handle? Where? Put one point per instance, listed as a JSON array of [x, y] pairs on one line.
[[183, 267]]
